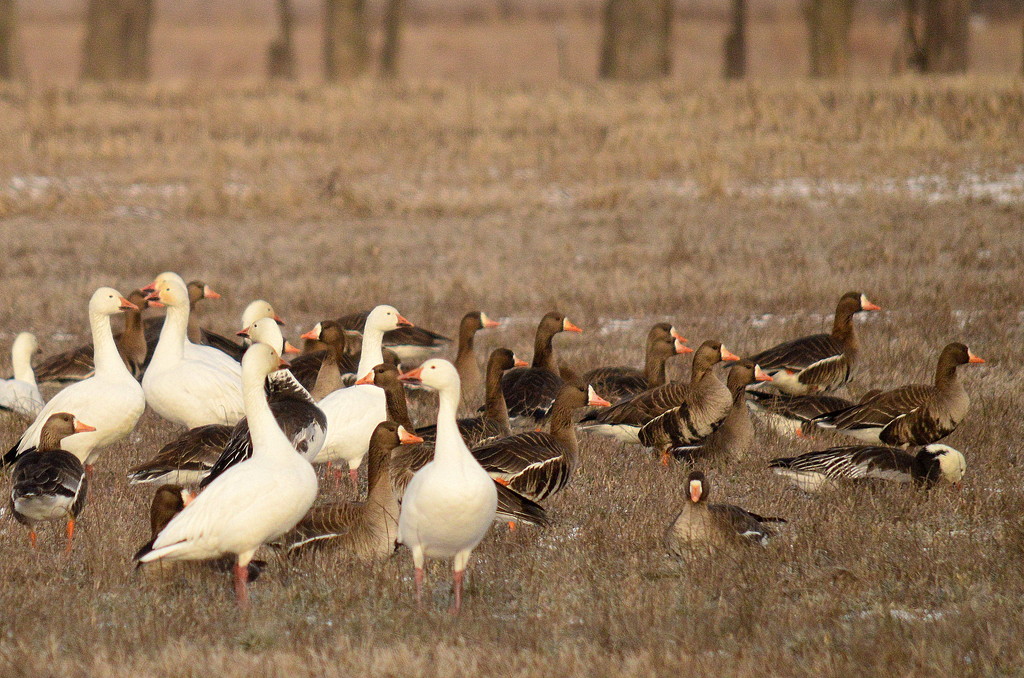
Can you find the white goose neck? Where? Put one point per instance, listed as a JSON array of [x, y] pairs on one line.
[[105, 357], [449, 440], [267, 436], [21, 361], [372, 353], [173, 335]]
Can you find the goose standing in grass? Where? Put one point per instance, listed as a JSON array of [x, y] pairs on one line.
[[465, 357], [820, 362], [530, 391], [21, 394], [618, 383], [713, 527], [186, 386], [111, 400], [50, 483], [252, 502], [410, 343], [451, 501], [917, 414], [816, 471]]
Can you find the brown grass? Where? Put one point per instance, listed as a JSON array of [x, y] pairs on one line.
[[710, 206]]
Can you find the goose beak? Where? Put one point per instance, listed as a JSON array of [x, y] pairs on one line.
[[368, 379], [282, 363], [971, 358], [288, 348], [728, 355], [187, 496], [761, 375], [695, 491], [402, 322], [127, 305], [519, 362], [150, 288], [407, 438], [595, 400], [312, 335], [82, 427], [487, 322], [243, 333], [153, 299], [680, 348], [208, 293], [569, 327], [866, 305], [278, 319], [675, 335], [412, 376]]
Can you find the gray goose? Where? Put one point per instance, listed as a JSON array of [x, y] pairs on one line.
[[618, 383], [793, 415], [713, 526], [77, 364], [917, 414], [624, 421], [48, 483], [408, 459], [412, 344], [326, 369], [537, 464], [465, 358], [367, 529], [816, 471], [820, 362], [734, 437], [530, 391]]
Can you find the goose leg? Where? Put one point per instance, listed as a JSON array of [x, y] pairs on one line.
[[353, 474], [242, 585], [664, 457], [71, 534], [32, 538], [511, 526], [89, 471], [419, 586], [458, 591]]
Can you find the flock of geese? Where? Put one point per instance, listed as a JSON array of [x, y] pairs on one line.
[[241, 475]]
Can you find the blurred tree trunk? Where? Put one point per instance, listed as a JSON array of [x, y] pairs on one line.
[[946, 31], [281, 52], [117, 40], [11, 65], [736, 42], [637, 39], [910, 53], [346, 51], [393, 11], [828, 30]]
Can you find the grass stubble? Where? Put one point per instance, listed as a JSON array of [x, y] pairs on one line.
[[741, 213]]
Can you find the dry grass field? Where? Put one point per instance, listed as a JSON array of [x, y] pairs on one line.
[[741, 213]]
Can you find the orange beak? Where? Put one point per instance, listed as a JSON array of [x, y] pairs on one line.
[[569, 327], [187, 497], [407, 438], [281, 363], [596, 400], [680, 348], [82, 427], [368, 379], [312, 335], [402, 322], [728, 355], [971, 358], [695, 492], [761, 375], [412, 377], [242, 333], [150, 288], [208, 293], [127, 305], [277, 319], [487, 323], [868, 306], [519, 362], [675, 335], [288, 348]]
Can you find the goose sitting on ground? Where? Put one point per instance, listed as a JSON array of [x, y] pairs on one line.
[[21, 394], [618, 383], [816, 471], [465, 357], [624, 421], [50, 484], [451, 502], [410, 343], [187, 459], [252, 502], [111, 400], [530, 391], [713, 526], [917, 414], [366, 530], [793, 415], [820, 362]]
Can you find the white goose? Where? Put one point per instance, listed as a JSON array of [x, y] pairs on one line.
[[252, 502], [353, 413], [111, 400], [184, 388], [451, 501], [21, 394]]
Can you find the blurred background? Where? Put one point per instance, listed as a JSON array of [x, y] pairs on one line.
[[58, 42]]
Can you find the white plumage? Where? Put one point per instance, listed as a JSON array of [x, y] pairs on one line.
[[21, 394]]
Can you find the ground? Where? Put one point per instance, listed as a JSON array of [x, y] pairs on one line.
[[741, 213]]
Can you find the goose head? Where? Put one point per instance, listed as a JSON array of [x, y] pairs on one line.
[[952, 464], [385, 318], [709, 354], [436, 373], [958, 354], [505, 359], [25, 345], [168, 501], [170, 292], [259, 309], [59, 426], [108, 301], [744, 373], [855, 302], [697, 487], [259, 361], [267, 331], [163, 278]]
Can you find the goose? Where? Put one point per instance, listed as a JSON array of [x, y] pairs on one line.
[[324, 371], [917, 414], [624, 420], [817, 471], [618, 383], [537, 464], [792, 415], [530, 391], [254, 311], [713, 526], [820, 362], [252, 502], [111, 400], [185, 386], [186, 460], [50, 484], [353, 413], [367, 529], [76, 364], [451, 501], [197, 291], [280, 344], [21, 394], [411, 344], [734, 437], [465, 357]]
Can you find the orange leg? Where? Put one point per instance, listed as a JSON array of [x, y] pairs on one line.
[[353, 474], [32, 538], [71, 534], [458, 592], [242, 586], [419, 587], [664, 457], [511, 526]]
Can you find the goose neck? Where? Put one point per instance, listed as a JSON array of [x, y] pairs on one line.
[[449, 440], [495, 408], [105, 355], [372, 353], [21, 361], [263, 427], [172, 335]]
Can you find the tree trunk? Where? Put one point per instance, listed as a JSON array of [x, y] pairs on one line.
[[346, 52], [393, 11], [637, 39], [281, 52], [946, 29], [828, 30], [11, 65], [117, 40], [736, 42]]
